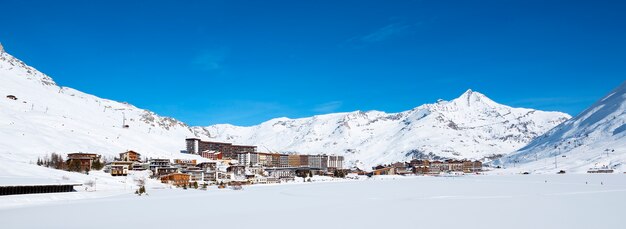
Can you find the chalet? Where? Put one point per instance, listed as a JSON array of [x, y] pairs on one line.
[[384, 171], [196, 173], [11, 97], [140, 166], [120, 168], [159, 163], [176, 179], [160, 171], [184, 163], [130, 156], [85, 159], [401, 168]]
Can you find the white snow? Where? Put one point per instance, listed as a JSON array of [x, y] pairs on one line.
[[47, 118], [487, 201], [594, 138], [471, 126]]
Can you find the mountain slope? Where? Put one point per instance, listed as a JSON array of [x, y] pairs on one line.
[[471, 126], [596, 137], [47, 118]]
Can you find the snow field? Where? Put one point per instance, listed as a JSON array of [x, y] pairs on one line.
[[485, 201]]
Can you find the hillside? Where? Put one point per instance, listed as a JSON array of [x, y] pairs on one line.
[[596, 137], [47, 118]]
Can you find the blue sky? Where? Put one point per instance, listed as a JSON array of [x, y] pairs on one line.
[[244, 62]]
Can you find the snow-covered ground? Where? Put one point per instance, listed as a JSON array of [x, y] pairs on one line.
[[478, 201]]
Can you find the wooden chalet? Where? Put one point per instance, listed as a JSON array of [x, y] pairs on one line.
[[130, 156], [176, 179], [85, 159], [384, 171], [121, 168]]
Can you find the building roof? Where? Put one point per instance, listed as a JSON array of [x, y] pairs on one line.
[[130, 151], [14, 181]]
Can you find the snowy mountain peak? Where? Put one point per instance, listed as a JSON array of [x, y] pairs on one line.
[[1, 48], [471, 126], [471, 98]]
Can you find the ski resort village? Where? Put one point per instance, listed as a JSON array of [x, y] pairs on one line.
[[313, 114], [228, 165], [64, 152]]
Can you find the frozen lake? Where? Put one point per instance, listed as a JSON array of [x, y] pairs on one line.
[[491, 201]]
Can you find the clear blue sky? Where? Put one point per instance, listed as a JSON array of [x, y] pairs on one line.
[[244, 62]]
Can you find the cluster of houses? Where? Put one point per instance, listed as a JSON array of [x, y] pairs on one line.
[[417, 166], [226, 164]]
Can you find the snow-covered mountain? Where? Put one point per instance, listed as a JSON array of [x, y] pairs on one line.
[[594, 138], [470, 126], [47, 118]]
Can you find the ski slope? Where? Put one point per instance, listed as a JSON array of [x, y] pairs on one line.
[[594, 138]]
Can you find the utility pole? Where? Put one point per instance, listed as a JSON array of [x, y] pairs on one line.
[[555, 156], [555, 164]]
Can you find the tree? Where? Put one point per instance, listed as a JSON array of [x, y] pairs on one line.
[[141, 190], [195, 184], [97, 164], [74, 165]]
